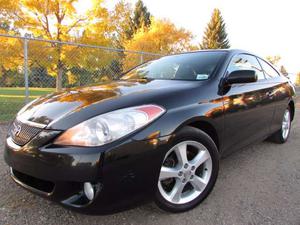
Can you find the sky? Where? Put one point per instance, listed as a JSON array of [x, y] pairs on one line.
[[263, 27]]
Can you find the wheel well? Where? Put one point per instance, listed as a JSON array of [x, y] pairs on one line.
[[207, 128], [292, 107]]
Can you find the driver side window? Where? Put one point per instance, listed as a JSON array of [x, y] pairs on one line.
[[246, 62]]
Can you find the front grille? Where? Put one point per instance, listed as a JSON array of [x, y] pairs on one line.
[[22, 133]]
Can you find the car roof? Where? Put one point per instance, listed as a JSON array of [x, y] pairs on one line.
[[230, 51]]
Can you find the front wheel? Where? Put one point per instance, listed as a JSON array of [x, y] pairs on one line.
[[188, 172]]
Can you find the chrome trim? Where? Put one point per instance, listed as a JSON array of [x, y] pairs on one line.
[[15, 179], [30, 123], [11, 144]]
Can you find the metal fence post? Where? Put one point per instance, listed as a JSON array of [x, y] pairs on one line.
[[142, 58], [26, 70]]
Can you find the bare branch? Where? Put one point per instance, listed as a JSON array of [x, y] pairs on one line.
[[75, 24]]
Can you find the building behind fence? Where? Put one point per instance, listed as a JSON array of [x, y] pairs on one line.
[[31, 67]]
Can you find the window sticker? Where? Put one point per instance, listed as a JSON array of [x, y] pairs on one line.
[[202, 77]]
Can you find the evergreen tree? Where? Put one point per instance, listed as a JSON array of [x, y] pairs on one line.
[[215, 35], [128, 21], [141, 16]]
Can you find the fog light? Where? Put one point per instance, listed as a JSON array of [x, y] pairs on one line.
[[89, 191]]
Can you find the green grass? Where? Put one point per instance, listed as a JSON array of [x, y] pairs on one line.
[[12, 100], [21, 91]]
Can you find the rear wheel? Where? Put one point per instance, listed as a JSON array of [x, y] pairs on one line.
[[282, 135], [189, 171]]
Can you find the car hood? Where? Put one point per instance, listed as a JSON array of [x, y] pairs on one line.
[[79, 104]]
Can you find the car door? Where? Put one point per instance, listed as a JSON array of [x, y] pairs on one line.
[[248, 109], [279, 87]]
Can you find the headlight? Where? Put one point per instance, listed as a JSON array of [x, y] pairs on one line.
[[110, 126]]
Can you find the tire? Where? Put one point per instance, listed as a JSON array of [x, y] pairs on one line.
[[196, 175], [280, 136]]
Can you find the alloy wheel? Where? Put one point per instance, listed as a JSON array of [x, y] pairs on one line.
[[286, 124], [185, 172]]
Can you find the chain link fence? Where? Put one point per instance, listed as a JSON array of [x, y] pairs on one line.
[[31, 67]]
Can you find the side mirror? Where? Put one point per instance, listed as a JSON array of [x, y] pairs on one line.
[[241, 76]]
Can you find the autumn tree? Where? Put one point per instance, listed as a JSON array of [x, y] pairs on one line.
[[215, 36], [127, 21], [126, 27], [161, 37], [274, 59], [122, 23], [55, 20], [11, 57], [298, 79]]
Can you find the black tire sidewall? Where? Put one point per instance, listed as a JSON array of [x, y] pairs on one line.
[[192, 134]]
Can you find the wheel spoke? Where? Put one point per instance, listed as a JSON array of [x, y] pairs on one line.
[[286, 124], [198, 183], [176, 192], [200, 158], [167, 172], [181, 153], [286, 117]]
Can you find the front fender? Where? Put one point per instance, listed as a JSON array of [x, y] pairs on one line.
[[174, 119]]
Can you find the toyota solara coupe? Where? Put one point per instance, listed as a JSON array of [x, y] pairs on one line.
[[157, 132]]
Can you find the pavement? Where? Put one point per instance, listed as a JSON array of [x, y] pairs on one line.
[[256, 185]]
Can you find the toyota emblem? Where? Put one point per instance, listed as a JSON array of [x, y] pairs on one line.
[[17, 130]]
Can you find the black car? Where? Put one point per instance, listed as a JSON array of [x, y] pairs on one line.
[[157, 132]]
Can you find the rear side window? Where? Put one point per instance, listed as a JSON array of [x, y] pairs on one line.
[[269, 70], [246, 62]]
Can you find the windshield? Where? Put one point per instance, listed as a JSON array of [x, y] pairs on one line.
[[190, 66]]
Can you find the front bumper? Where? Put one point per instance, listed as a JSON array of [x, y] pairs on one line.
[[124, 173]]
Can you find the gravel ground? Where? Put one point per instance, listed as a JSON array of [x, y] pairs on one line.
[[256, 185]]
